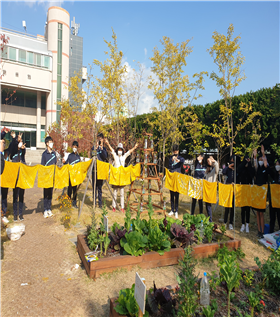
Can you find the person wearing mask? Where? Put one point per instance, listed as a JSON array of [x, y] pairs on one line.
[[119, 160], [275, 212], [48, 159], [261, 177], [175, 165], [211, 173], [17, 154], [101, 156], [72, 159], [245, 176], [229, 172], [199, 173], [4, 190]]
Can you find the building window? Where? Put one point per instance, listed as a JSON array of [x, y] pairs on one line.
[[30, 58], [43, 102], [4, 53], [59, 69], [12, 54], [22, 56], [47, 62], [38, 59]]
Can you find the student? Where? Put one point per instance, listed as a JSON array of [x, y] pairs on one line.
[[275, 212], [245, 176], [101, 156], [199, 173], [211, 174], [72, 159], [119, 160], [261, 176], [229, 172], [4, 191], [17, 154], [175, 165], [48, 159]]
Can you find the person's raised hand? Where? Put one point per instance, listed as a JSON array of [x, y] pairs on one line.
[[23, 146], [262, 150], [13, 134], [255, 153]]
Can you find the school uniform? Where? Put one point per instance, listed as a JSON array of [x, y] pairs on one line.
[[175, 167], [119, 161], [211, 177], [48, 159], [274, 212], [261, 175], [98, 183], [245, 176], [4, 190], [230, 179], [199, 173], [17, 155], [72, 159]]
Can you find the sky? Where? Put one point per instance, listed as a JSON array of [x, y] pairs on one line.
[[140, 26]]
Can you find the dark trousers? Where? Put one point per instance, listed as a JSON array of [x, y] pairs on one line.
[[4, 194], [72, 189], [274, 212], [209, 211], [174, 198], [200, 206], [48, 192], [97, 183], [18, 194], [245, 212]]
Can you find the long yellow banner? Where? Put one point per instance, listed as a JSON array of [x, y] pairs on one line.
[[23, 176], [245, 195]]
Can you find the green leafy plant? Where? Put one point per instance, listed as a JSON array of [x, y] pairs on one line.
[[208, 231], [210, 310], [134, 243], [248, 277], [223, 228], [158, 241], [253, 300], [214, 280], [230, 274], [92, 238], [187, 293], [127, 219], [127, 304], [114, 227], [271, 271]]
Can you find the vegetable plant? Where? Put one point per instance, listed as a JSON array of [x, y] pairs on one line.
[[134, 243], [210, 310], [182, 237], [187, 293], [158, 241], [127, 304]]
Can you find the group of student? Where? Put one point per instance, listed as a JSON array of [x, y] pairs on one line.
[[16, 153], [250, 171]]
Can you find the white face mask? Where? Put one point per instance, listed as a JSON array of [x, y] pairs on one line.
[[277, 167], [51, 145], [74, 150], [261, 163], [119, 153], [20, 144], [199, 161]]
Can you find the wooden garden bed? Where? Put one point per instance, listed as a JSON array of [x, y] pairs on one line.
[[147, 260]]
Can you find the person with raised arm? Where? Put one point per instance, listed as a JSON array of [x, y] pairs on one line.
[[119, 160]]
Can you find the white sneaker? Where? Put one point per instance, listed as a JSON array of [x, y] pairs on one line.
[[5, 220], [176, 215], [46, 214], [230, 227], [50, 214], [247, 228], [171, 213], [242, 228]]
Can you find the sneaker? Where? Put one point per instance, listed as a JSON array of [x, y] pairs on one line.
[[242, 228], [171, 213], [21, 218], [260, 235], [176, 215], [50, 214], [5, 220], [114, 209], [15, 219], [74, 204], [122, 210], [230, 227], [46, 214], [247, 228]]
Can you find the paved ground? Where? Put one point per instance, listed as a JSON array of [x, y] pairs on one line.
[[43, 257]]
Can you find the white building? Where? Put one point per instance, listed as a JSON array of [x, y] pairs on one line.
[[35, 77]]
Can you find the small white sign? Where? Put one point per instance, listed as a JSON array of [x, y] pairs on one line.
[[140, 292], [105, 221]]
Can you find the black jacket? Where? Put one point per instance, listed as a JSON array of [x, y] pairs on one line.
[[48, 158], [73, 158], [261, 175], [230, 175], [2, 163], [101, 154], [245, 173], [16, 154]]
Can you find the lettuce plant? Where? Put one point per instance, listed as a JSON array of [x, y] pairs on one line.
[[158, 241], [134, 243]]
